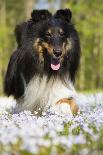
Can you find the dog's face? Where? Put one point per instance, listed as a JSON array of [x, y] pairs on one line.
[[53, 42]]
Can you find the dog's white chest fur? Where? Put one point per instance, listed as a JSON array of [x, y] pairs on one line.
[[42, 93]]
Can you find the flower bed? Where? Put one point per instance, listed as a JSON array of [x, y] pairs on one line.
[[26, 134]]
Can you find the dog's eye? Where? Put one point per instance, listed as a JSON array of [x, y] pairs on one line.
[[48, 34]]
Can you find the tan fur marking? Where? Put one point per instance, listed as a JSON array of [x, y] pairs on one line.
[[39, 49], [48, 47], [73, 106], [40, 46], [64, 47], [36, 42], [68, 45]]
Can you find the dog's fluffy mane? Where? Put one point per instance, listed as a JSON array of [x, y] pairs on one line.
[[24, 63]]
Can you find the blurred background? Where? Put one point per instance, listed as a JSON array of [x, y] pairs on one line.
[[88, 19]]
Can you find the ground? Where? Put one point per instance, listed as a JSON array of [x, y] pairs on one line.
[[53, 134]]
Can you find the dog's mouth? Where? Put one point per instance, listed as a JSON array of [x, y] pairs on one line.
[[55, 64]]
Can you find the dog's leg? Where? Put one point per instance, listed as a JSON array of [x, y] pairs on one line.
[[66, 106], [71, 102]]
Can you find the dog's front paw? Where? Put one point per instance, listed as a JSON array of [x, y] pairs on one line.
[[66, 106]]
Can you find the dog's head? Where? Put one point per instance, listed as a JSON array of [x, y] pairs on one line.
[[54, 39]]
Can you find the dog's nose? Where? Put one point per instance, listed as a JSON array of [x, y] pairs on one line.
[[57, 52]]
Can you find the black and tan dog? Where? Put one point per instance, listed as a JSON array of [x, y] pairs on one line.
[[43, 67]]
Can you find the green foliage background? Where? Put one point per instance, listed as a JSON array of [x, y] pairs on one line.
[[88, 18]]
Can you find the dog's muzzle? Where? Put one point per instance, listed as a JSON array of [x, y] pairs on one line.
[[55, 60]]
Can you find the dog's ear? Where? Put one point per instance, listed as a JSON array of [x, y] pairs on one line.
[[64, 14], [19, 32], [40, 15]]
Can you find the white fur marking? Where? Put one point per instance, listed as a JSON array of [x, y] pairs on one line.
[[43, 94]]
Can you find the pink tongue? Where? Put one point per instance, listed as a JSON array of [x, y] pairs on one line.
[[55, 67]]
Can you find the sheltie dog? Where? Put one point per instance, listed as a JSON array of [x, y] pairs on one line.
[[41, 71]]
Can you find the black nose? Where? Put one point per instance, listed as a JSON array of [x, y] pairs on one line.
[[57, 52]]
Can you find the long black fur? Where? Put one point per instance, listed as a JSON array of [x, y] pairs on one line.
[[24, 63]]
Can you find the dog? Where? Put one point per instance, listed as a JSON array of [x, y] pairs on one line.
[[41, 71]]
